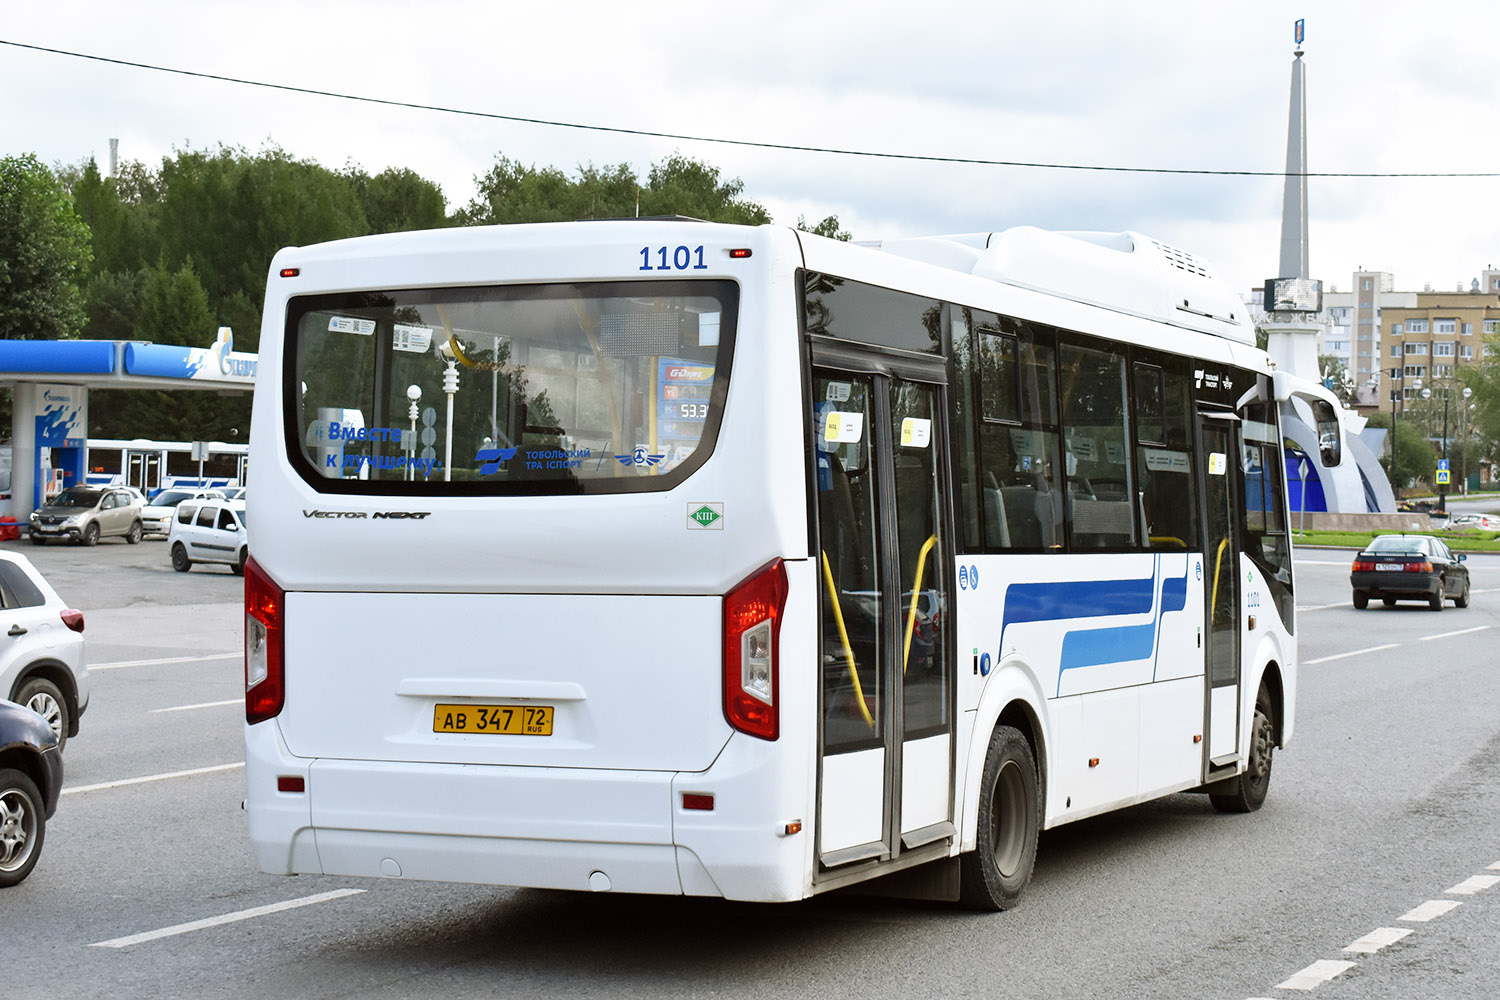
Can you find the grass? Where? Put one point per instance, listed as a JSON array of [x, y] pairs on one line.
[[1458, 541]]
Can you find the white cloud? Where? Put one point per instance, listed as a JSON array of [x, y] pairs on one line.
[[1165, 84]]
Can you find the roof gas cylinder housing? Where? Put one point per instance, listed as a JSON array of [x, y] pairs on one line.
[[1124, 272]]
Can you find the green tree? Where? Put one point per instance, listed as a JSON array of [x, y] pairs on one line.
[[1415, 459], [112, 301], [44, 254], [682, 186], [398, 200], [829, 227], [512, 192], [174, 308]]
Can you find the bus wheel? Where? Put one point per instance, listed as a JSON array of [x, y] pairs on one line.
[[1000, 866], [1251, 787]]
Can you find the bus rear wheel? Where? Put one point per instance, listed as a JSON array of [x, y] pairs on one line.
[[996, 872]]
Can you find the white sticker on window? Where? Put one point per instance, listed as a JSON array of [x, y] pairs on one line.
[[842, 427], [838, 392], [916, 432], [348, 324], [1218, 463], [411, 338]]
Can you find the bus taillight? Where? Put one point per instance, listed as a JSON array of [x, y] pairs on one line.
[[265, 676], [752, 636]]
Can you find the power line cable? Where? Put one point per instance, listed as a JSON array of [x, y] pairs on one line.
[[789, 147]]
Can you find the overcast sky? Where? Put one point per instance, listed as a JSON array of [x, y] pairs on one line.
[[1392, 87]]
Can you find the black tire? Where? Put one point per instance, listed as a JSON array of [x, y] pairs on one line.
[[996, 872], [1361, 601], [1251, 787], [1438, 600], [38, 540], [238, 567], [135, 534], [1389, 602], [23, 826], [1462, 600], [91, 534], [180, 561], [45, 699]]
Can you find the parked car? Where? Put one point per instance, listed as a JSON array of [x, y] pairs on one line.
[[31, 776], [42, 663], [1409, 568], [209, 531], [157, 515], [85, 514], [1483, 522]]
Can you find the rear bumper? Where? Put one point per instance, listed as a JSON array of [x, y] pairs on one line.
[[1409, 585], [540, 827]]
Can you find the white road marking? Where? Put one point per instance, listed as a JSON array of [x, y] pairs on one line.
[[1315, 975], [150, 777], [206, 704], [1495, 867], [1470, 886], [1378, 939], [1430, 910], [1324, 562], [1462, 631], [1322, 607], [168, 659], [1354, 652], [228, 918]]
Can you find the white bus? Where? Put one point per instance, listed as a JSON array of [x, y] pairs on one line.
[[662, 556]]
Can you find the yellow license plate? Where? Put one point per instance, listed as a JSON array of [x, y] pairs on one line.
[[499, 720]]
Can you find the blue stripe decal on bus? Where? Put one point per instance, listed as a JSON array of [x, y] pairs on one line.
[[1073, 599], [1047, 602], [1095, 646]]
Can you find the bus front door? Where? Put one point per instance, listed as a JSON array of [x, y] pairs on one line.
[[886, 751], [1220, 474]]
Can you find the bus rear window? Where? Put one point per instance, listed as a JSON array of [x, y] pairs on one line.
[[521, 389]]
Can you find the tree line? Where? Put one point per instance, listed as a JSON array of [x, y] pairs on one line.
[[172, 253]]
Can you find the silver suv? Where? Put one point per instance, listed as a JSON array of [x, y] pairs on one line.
[[208, 530], [88, 513]]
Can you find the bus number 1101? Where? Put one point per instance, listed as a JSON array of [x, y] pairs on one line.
[[681, 259]]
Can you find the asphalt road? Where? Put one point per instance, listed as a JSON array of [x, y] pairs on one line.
[[1386, 800]]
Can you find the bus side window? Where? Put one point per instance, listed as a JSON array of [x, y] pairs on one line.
[[1165, 469]]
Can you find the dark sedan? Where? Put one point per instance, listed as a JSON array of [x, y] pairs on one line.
[[30, 782], [1409, 568]]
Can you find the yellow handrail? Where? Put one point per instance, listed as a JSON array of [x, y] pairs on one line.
[[916, 592], [838, 617], [1213, 602]]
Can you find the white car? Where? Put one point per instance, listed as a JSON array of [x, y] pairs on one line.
[[157, 515], [42, 663], [210, 530]]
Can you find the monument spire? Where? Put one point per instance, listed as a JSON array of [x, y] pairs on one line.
[[1294, 198]]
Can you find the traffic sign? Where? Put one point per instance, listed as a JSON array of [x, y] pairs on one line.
[[1442, 477]]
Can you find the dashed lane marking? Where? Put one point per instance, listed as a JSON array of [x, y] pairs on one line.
[[1315, 975], [150, 777], [1462, 631], [204, 704], [1352, 652], [1470, 886], [165, 659], [227, 918], [1430, 910], [1378, 939]]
